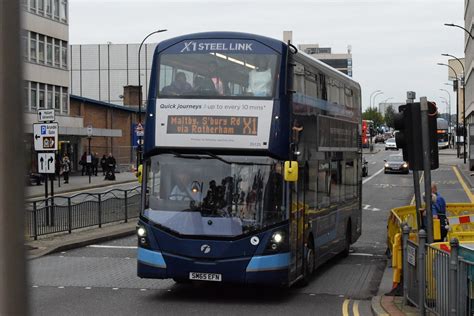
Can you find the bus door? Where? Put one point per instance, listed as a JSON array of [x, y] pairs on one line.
[[297, 224]]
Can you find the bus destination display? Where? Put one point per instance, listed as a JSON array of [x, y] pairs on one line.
[[213, 125]]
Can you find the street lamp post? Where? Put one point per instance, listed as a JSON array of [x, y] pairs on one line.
[[140, 138], [457, 103], [458, 26], [371, 95], [376, 95], [463, 104], [449, 105], [89, 162]]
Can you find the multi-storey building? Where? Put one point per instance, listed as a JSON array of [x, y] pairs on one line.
[[340, 61]]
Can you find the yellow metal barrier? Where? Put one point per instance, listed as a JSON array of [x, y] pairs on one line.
[[407, 214]]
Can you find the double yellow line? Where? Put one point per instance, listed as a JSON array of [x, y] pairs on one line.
[[355, 308], [461, 181]]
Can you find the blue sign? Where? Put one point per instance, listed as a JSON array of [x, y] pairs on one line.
[[43, 129]]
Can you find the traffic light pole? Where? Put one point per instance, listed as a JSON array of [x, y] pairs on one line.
[[426, 166], [416, 174]]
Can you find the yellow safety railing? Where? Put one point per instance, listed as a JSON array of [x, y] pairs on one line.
[[407, 214]]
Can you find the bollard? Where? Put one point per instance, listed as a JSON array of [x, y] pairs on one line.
[[421, 270], [406, 234], [452, 277]]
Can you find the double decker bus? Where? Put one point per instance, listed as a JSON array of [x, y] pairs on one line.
[[252, 162], [442, 132]]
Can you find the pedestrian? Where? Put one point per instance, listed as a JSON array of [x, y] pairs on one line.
[[103, 164], [65, 168], [95, 163], [83, 163], [111, 163], [438, 209]]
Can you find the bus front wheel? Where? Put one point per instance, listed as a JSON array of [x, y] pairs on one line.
[[309, 261]]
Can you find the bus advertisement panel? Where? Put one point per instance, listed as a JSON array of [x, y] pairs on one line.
[[208, 123]]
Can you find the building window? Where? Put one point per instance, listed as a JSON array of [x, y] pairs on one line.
[[33, 96], [41, 7], [49, 8], [41, 49], [57, 98], [57, 52], [26, 93], [24, 43], [56, 9], [49, 97], [41, 99], [64, 54], [33, 46], [49, 51], [65, 107], [63, 10], [33, 5]]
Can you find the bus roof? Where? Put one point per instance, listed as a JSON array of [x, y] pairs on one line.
[[277, 45]]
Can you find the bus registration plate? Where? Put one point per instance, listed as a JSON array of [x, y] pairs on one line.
[[205, 276]]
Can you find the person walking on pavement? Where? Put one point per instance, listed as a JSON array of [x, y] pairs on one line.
[[95, 163], [103, 164], [438, 209], [65, 168], [83, 163], [110, 162]]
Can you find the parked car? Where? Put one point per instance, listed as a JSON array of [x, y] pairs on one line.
[[395, 163], [365, 167], [391, 144], [379, 138]]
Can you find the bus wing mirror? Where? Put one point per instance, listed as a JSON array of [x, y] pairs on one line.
[[291, 171], [139, 174]]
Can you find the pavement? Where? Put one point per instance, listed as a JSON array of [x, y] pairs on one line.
[[79, 238], [384, 304], [77, 182]]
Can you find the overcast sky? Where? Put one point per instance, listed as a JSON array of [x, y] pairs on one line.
[[395, 43]]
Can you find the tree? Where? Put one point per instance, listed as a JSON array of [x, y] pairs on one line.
[[374, 115], [389, 116]]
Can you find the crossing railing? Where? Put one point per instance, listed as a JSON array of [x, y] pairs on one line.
[[438, 278], [67, 213]]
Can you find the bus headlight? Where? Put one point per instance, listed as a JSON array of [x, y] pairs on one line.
[[141, 231], [405, 165], [278, 242], [277, 237], [386, 165]]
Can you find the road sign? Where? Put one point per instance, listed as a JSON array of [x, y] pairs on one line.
[[139, 130], [45, 136], [89, 131], [46, 115], [46, 163]]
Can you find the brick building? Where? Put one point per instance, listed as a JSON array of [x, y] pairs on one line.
[[112, 128]]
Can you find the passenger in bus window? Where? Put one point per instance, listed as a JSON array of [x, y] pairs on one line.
[[260, 78], [179, 86], [212, 83]]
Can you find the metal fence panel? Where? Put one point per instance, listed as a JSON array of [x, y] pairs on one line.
[[465, 282], [436, 272], [64, 214], [412, 277]]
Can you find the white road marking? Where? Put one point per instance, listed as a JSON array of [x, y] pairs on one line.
[[115, 288], [372, 176], [35, 286], [375, 209], [361, 254], [60, 287], [366, 207], [112, 247], [143, 290], [88, 288]]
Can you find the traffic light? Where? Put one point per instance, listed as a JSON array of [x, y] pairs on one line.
[[433, 134], [409, 135]]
